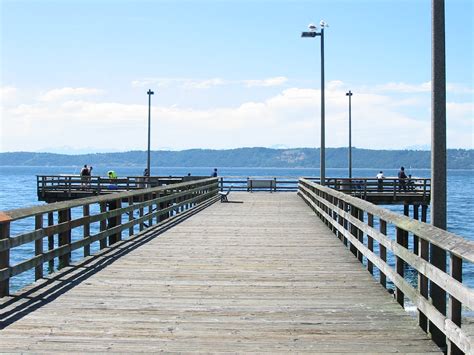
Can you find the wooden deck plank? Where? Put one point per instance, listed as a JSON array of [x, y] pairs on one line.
[[264, 275]]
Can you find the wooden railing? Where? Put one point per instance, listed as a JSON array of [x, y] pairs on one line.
[[243, 183], [54, 231], [393, 187], [345, 216], [99, 185]]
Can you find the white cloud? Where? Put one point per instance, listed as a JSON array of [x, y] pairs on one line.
[[207, 83], [276, 81], [404, 87], [292, 118], [8, 94], [59, 94]]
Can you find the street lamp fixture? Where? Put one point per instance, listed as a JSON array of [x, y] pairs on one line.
[[310, 34], [149, 124], [350, 135]]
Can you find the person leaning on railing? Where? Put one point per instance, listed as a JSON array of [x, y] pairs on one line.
[[380, 178]]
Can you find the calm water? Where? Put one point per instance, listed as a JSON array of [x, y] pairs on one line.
[[18, 189]]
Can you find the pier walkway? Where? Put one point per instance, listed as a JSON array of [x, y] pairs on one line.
[[262, 275]]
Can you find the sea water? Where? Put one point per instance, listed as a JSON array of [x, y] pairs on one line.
[[18, 189]]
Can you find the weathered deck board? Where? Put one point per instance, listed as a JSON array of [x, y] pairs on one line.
[[264, 275]]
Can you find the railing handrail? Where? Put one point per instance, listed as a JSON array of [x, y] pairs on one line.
[[451, 242], [106, 215], [19, 213], [344, 216]]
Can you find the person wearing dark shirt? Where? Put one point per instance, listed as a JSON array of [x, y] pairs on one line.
[[214, 174], [402, 179]]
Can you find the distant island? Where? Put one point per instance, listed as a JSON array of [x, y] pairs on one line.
[[246, 157]]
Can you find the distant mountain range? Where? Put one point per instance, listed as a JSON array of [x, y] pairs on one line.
[[246, 157]]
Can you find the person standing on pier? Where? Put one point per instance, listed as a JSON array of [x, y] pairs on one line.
[[380, 178], [85, 176], [402, 179], [214, 174]]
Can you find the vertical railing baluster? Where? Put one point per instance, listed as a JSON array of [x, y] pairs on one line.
[[423, 282], [86, 231], [50, 242], [454, 306], [103, 224], [400, 265], [416, 216], [39, 246], [360, 233], [130, 216], [370, 242], [354, 230], [141, 199], [5, 255], [383, 252], [64, 238]]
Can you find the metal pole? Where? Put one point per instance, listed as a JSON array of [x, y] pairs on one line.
[[438, 154], [149, 130], [350, 135], [323, 144]]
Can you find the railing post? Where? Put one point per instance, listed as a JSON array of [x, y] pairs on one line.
[[64, 238], [69, 185], [50, 242], [454, 306], [383, 252], [360, 216], [130, 216], [416, 216], [39, 247], [423, 283], [370, 242], [341, 221], [400, 265], [5, 255], [114, 221], [141, 199], [354, 230], [86, 229], [103, 225]]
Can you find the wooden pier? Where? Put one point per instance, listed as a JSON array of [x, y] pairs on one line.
[[259, 274]]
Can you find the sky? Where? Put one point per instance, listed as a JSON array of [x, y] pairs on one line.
[[74, 75]]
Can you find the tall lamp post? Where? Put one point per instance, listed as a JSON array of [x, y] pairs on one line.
[[350, 135], [149, 124], [313, 33]]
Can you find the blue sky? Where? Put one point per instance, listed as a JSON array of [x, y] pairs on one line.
[[226, 74]]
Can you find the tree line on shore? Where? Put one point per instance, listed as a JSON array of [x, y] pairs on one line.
[[246, 157]]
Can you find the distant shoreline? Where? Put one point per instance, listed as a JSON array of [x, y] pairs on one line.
[[298, 158]]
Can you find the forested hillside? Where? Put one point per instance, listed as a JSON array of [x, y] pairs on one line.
[[245, 157]]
